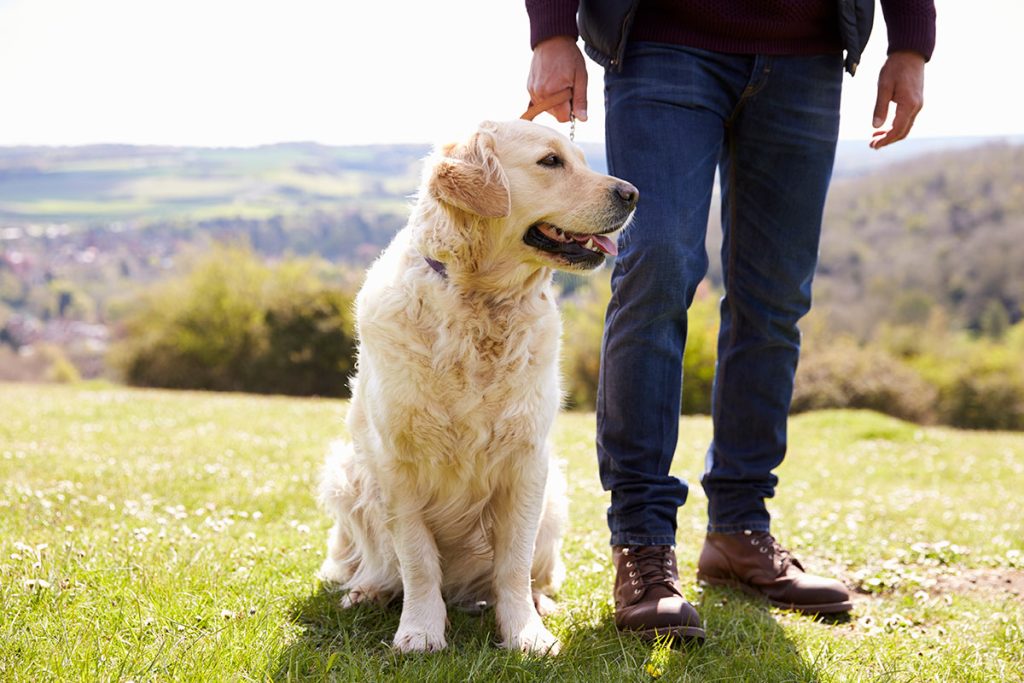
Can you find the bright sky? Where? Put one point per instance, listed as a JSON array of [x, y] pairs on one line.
[[247, 72]]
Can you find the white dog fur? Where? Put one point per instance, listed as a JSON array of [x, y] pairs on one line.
[[448, 489]]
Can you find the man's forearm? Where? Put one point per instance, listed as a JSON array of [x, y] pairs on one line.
[[550, 18], [910, 25]]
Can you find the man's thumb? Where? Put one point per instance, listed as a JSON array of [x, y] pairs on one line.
[[881, 106]]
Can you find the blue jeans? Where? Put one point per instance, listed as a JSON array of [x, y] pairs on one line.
[[769, 124]]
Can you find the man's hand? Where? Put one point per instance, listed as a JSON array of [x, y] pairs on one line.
[[901, 81], [558, 66]]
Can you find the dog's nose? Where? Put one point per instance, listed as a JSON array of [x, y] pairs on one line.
[[627, 193]]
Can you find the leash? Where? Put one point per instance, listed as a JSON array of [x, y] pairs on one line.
[[534, 109]]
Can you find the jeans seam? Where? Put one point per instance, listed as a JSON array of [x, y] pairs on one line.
[[730, 269]]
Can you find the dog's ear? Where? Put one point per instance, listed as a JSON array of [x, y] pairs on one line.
[[469, 176]]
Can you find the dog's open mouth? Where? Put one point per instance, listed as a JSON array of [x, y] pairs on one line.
[[575, 247]]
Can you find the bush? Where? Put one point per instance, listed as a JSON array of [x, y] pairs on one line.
[[701, 352], [61, 370], [236, 324], [980, 384], [842, 374], [583, 315]]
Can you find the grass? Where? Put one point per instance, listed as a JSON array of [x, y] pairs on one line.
[[152, 535]]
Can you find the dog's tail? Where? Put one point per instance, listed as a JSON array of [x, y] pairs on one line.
[[334, 493], [334, 482]]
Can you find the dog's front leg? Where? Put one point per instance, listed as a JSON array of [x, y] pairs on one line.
[[421, 628], [517, 507]]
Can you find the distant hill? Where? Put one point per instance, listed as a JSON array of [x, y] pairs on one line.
[[923, 224], [940, 231], [123, 183]]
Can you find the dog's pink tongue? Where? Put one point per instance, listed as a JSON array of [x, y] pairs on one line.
[[605, 244]]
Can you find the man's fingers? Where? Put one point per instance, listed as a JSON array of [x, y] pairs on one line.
[[902, 122], [579, 94], [557, 104]]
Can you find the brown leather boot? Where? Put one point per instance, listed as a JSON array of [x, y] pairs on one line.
[[754, 562], [648, 600]]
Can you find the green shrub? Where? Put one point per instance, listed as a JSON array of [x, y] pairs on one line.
[[61, 369], [842, 374], [701, 352], [583, 316], [236, 324], [983, 388]]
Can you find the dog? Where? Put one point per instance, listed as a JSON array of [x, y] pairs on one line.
[[447, 490]]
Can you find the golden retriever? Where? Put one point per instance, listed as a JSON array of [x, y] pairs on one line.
[[447, 490]]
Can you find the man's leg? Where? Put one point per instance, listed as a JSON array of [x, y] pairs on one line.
[[664, 135], [775, 170], [665, 118]]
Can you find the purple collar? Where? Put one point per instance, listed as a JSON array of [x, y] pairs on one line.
[[438, 267]]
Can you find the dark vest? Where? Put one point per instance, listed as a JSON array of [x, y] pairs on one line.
[[604, 26]]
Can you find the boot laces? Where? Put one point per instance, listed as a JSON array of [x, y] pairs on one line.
[[767, 545], [651, 566]]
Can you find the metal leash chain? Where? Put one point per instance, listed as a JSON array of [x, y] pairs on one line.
[[572, 125]]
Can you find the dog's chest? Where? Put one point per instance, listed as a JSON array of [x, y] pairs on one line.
[[482, 386]]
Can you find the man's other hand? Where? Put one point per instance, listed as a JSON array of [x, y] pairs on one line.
[[558, 66], [901, 81]]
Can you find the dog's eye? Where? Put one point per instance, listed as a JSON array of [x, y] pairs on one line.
[[552, 161]]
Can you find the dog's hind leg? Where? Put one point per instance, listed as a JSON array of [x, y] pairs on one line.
[[337, 493], [359, 558]]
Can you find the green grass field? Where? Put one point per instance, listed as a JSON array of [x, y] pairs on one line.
[[167, 536]]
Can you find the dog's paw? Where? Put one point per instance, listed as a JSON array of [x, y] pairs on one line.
[[333, 574], [533, 639], [544, 604], [414, 639], [360, 594]]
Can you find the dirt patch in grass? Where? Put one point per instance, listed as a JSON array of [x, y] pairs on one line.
[[989, 583]]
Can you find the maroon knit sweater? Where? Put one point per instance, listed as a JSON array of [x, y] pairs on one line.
[[747, 26]]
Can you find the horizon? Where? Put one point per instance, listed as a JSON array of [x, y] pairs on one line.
[[932, 141], [248, 74]]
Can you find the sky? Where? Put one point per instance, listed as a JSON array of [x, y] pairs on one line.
[[250, 72]]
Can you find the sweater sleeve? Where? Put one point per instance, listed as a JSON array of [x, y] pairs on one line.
[[910, 25], [550, 18]]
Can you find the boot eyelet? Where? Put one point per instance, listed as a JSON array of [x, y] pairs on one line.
[[632, 574], [629, 564], [636, 592], [668, 563], [633, 582], [763, 550]]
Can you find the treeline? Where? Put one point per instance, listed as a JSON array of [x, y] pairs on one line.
[[354, 235], [235, 323], [929, 374]]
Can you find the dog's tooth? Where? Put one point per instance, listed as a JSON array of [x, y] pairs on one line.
[[589, 244]]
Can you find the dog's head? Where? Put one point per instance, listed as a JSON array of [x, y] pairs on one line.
[[517, 193]]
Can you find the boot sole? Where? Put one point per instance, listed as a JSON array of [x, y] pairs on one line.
[[822, 608]]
